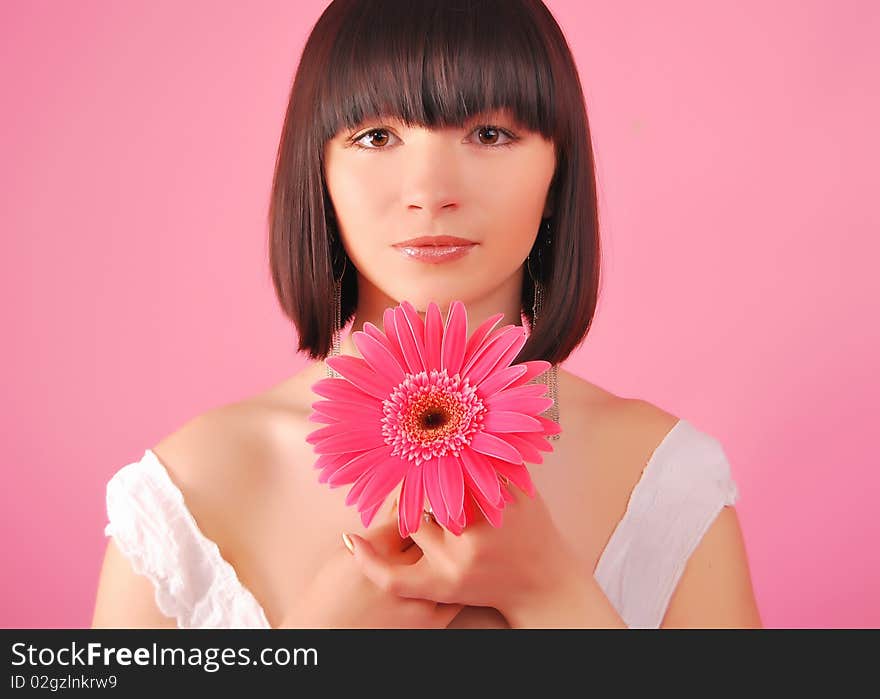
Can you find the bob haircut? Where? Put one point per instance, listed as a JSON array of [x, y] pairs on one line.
[[434, 63]]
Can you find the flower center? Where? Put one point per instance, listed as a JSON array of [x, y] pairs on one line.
[[434, 418], [431, 414]]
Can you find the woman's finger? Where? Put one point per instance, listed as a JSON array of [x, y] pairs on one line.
[[409, 555], [383, 532], [415, 580], [430, 535]]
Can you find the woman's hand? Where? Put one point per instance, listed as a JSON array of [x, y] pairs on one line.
[[524, 568], [341, 596]]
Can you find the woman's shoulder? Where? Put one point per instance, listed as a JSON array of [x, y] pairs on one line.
[[615, 434], [210, 447], [227, 458], [617, 418]]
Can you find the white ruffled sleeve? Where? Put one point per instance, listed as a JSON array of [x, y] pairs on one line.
[[152, 527]]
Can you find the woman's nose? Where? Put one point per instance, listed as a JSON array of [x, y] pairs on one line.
[[431, 176]]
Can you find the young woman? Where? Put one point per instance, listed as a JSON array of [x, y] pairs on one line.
[[431, 151]]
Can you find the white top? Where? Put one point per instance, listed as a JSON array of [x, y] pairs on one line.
[[682, 489]]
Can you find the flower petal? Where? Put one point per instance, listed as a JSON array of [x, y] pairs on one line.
[[341, 389], [477, 337], [328, 468], [550, 426], [393, 347], [498, 354], [361, 375], [490, 445], [472, 512], [411, 503], [355, 492], [379, 357], [460, 522], [417, 325], [341, 410], [534, 367], [409, 345], [492, 514], [478, 468], [433, 336], [388, 475], [510, 421], [367, 515], [431, 480], [536, 406], [451, 484], [352, 440], [536, 439], [517, 474], [454, 338], [330, 430], [455, 527], [323, 419], [389, 325], [500, 380], [513, 351], [530, 399], [484, 346], [531, 390], [528, 450], [351, 471], [336, 460]]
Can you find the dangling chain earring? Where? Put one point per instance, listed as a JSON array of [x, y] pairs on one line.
[[336, 308], [551, 377]]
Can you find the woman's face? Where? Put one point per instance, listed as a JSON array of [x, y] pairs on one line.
[[487, 182]]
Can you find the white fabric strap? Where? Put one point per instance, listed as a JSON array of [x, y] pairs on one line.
[[684, 486]]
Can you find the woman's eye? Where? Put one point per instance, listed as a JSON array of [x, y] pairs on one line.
[[493, 134], [486, 135], [371, 136]]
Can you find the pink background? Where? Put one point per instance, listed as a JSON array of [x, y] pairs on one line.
[[737, 151]]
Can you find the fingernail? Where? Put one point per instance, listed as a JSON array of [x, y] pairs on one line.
[[349, 544]]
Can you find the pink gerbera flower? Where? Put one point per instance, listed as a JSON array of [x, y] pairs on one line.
[[445, 414]]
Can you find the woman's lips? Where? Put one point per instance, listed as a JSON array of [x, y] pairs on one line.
[[435, 254]]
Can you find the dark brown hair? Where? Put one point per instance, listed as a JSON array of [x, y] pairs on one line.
[[434, 63]]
